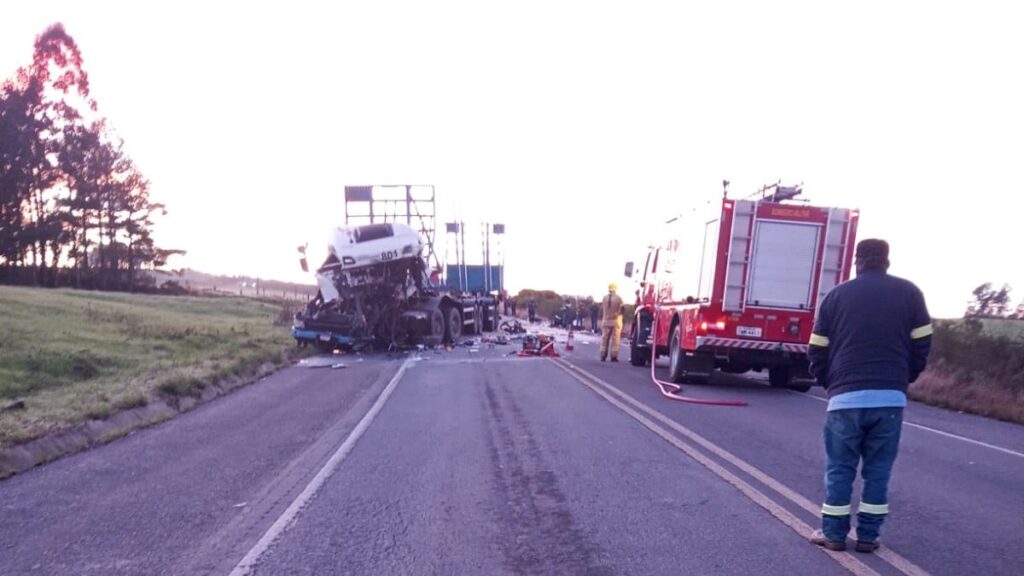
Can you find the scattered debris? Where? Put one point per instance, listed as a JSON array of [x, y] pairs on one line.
[[15, 405], [338, 366], [539, 345], [318, 362], [241, 505]]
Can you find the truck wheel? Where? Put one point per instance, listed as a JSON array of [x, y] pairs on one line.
[[779, 377], [800, 385], [453, 325], [436, 327], [638, 355], [676, 358], [478, 319], [491, 318]]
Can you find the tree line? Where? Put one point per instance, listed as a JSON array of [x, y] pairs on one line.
[[989, 302], [75, 210]]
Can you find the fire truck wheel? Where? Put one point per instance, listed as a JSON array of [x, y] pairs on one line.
[[676, 358], [779, 377], [638, 355]]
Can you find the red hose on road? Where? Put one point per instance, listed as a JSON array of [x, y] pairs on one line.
[[671, 394]]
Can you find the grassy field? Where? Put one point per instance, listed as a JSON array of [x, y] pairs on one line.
[[977, 367], [73, 356]]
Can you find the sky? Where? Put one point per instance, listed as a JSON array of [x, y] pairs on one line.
[[581, 126]]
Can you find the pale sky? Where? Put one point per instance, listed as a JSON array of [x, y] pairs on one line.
[[580, 125]]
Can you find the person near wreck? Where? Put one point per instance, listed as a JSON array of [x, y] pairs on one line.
[[871, 339], [611, 324]]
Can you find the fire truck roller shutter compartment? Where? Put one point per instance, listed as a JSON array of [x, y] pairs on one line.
[[783, 264]]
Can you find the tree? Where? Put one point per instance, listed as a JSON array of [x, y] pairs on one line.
[[989, 303], [69, 194], [20, 157]]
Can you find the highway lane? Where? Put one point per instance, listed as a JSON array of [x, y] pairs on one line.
[[480, 463]]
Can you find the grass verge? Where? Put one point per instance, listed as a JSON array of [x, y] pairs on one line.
[[74, 356], [976, 367]]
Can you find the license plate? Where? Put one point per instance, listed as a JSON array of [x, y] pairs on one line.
[[748, 331], [325, 337]]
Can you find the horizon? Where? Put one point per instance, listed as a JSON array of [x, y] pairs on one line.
[[581, 141]]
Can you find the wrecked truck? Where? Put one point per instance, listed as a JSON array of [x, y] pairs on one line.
[[376, 290]]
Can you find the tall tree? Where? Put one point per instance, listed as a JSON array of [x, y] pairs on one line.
[[988, 302], [69, 194]]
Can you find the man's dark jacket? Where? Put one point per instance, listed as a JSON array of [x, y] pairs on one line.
[[872, 332]]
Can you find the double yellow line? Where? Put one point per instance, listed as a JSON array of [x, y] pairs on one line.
[[688, 441]]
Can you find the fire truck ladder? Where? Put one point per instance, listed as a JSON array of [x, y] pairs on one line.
[[738, 265], [837, 233]]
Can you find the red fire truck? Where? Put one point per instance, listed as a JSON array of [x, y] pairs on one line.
[[737, 291]]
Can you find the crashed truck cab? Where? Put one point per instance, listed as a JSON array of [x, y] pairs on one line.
[[374, 289]]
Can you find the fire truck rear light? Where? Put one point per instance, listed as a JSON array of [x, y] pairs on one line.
[[727, 205], [720, 325], [855, 214], [703, 326], [794, 328]]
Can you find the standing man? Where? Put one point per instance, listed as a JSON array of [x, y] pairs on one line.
[[611, 323], [531, 309], [595, 311], [871, 339], [568, 315]]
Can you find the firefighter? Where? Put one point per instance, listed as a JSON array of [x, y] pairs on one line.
[[611, 323], [870, 340]]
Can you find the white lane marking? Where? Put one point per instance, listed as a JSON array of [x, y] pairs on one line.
[[899, 562], [786, 517], [287, 518], [939, 432]]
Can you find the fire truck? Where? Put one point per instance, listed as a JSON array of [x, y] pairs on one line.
[[737, 291]]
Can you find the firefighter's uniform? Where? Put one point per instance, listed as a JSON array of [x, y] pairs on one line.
[[611, 324]]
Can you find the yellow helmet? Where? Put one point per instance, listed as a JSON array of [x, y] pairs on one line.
[[612, 287]]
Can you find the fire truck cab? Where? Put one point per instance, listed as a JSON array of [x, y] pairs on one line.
[[737, 291]]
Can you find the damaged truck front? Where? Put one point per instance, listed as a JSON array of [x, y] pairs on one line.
[[375, 290]]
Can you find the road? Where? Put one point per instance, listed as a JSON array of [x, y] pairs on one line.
[[471, 462]]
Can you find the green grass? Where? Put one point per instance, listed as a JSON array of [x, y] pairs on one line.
[[1012, 329], [79, 355]]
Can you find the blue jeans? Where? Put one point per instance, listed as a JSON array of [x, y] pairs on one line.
[[871, 435]]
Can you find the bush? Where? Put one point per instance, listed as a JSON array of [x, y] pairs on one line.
[[974, 369]]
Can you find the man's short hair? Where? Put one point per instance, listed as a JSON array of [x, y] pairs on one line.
[[873, 253]]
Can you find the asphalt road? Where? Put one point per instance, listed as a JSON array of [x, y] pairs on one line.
[[475, 463]]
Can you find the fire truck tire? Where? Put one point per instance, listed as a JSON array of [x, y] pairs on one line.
[[676, 357], [638, 355], [779, 377], [452, 325]]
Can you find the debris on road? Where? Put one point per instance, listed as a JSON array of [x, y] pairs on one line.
[[318, 362]]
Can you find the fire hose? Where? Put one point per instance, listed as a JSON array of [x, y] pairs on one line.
[[669, 389]]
